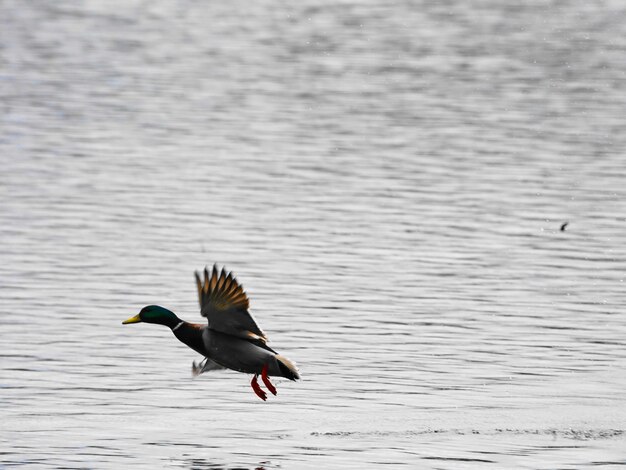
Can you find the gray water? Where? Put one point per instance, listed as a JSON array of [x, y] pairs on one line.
[[387, 180]]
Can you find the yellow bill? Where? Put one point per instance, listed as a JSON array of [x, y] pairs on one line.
[[135, 319]]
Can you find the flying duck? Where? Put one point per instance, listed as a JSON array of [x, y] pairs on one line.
[[231, 340]]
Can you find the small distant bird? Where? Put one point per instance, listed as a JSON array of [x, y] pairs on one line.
[[563, 226], [231, 340]]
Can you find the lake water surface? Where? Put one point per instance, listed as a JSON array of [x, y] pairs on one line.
[[387, 180]]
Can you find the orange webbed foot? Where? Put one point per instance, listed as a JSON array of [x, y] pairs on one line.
[[257, 389], [266, 381]]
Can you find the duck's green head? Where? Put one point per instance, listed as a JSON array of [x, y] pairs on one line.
[[154, 314]]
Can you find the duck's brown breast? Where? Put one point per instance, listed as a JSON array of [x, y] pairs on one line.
[[191, 335]]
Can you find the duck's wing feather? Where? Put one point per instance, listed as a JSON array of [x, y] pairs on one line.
[[225, 305], [205, 366]]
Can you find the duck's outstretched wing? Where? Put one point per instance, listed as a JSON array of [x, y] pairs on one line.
[[225, 305]]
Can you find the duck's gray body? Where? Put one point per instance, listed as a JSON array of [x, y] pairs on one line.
[[225, 351], [241, 355]]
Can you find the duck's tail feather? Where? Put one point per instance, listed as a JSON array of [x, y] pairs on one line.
[[287, 368]]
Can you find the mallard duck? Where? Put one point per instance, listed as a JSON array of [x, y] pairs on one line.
[[231, 340]]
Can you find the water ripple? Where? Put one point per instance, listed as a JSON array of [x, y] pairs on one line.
[[387, 179]]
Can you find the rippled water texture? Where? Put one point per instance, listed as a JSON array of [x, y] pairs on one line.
[[387, 179]]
